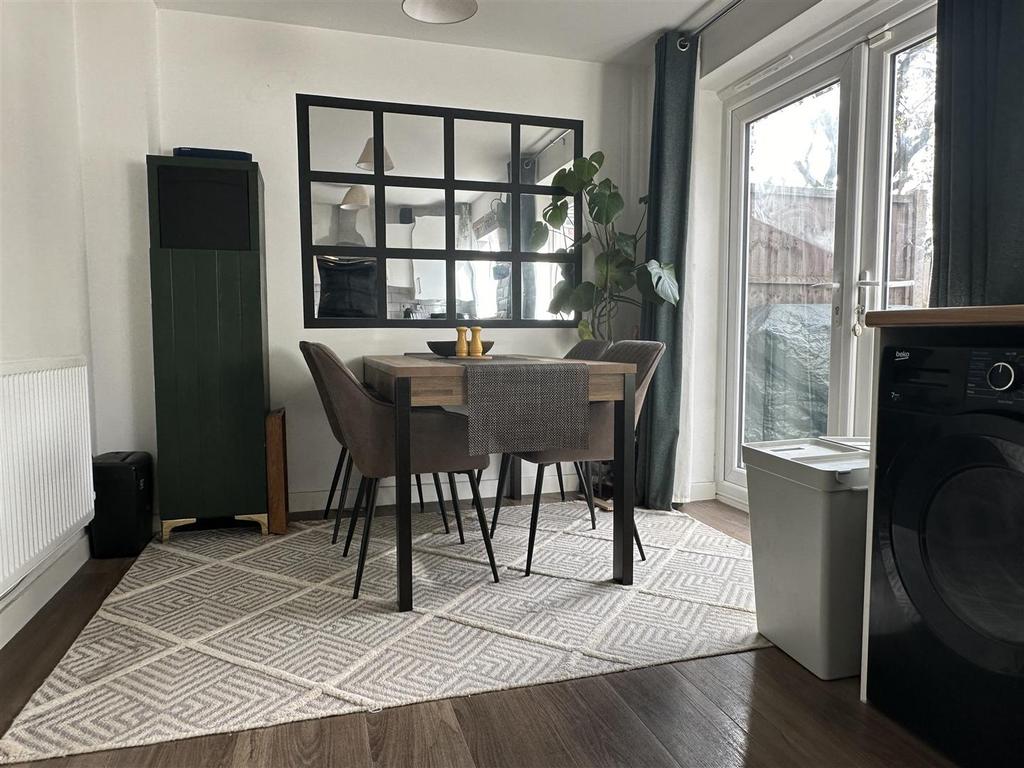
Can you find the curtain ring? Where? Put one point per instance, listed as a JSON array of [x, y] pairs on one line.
[[683, 44]]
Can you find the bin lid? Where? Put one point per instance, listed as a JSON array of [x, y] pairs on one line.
[[814, 462], [860, 443]]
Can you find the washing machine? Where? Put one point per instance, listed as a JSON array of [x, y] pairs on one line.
[[946, 611]]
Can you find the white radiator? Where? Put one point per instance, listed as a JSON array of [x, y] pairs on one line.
[[46, 492]]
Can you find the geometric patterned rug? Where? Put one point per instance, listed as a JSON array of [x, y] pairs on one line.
[[226, 630]]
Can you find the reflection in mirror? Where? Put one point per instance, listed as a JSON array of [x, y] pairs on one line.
[[542, 151], [536, 236], [417, 289], [345, 286], [342, 214], [415, 144], [337, 138], [483, 290], [482, 221], [415, 217], [483, 150], [539, 281]]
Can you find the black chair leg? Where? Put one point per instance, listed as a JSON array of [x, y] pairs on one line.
[[341, 499], [440, 502], [561, 483], [534, 515], [588, 491], [363, 491], [419, 492], [639, 545], [482, 517], [579, 476], [455, 507], [334, 482], [506, 461], [371, 506]]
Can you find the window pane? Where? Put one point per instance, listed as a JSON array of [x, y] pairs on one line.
[[415, 217], [792, 166], [483, 150], [413, 145], [482, 221], [345, 286], [909, 244], [483, 290], [539, 281], [536, 236], [337, 138], [417, 289], [542, 151], [342, 214]]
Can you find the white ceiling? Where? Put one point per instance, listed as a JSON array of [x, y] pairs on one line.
[[591, 30]]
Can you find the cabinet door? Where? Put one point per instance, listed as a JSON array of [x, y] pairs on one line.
[[209, 375]]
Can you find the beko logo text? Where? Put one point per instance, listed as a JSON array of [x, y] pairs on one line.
[[902, 354]]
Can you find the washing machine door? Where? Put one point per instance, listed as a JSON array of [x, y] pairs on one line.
[[957, 528]]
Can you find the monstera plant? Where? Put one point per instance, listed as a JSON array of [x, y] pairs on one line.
[[618, 257]]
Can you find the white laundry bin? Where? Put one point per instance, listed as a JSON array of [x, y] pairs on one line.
[[808, 514]]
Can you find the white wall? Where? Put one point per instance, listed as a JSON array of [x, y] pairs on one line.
[[231, 83], [43, 290], [118, 103]]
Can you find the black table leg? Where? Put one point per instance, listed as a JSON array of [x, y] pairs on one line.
[[624, 467], [403, 492], [515, 480]]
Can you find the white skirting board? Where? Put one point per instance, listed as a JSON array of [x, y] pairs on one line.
[[25, 600]]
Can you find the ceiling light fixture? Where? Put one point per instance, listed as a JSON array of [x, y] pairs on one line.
[[355, 199], [365, 160], [440, 11]]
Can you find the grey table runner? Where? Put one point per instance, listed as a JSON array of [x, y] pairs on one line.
[[526, 405]]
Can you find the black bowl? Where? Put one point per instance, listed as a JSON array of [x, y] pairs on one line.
[[447, 348]]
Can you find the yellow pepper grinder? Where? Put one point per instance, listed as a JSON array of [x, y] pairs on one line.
[[461, 346], [476, 346]]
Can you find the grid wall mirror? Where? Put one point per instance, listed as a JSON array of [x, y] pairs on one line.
[[422, 216]]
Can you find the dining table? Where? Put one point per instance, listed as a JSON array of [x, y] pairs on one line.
[[420, 381]]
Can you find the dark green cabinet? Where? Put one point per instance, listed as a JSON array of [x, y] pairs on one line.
[[209, 338]]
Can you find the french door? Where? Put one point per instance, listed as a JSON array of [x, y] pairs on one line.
[[829, 216]]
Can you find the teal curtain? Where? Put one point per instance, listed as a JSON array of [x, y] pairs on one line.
[[979, 154], [667, 206]]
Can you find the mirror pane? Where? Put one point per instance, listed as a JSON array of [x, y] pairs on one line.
[[413, 145], [337, 138], [542, 151], [482, 221], [417, 289], [539, 281], [483, 150], [536, 236], [415, 217], [345, 286], [483, 290], [342, 214]]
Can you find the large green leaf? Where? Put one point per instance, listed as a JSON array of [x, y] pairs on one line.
[[597, 158], [585, 296], [569, 180], [555, 214], [584, 330], [614, 270], [538, 236], [561, 298], [585, 168], [605, 205], [626, 243], [658, 282]]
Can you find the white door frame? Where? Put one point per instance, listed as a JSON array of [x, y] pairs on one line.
[[849, 70]]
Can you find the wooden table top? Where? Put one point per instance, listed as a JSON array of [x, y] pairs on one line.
[[1007, 314], [439, 381]]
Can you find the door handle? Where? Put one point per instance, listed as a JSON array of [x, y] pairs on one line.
[[833, 286]]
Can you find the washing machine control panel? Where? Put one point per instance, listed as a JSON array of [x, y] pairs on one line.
[[996, 376]]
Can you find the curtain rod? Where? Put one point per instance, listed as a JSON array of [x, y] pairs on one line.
[[716, 17]]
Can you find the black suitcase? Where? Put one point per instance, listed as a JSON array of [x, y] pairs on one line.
[[123, 525]]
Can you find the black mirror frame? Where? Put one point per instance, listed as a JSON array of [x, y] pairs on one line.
[[378, 179]]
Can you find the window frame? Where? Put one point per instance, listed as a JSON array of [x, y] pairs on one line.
[[379, 180]]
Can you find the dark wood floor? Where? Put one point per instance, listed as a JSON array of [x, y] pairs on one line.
[[754, 709]]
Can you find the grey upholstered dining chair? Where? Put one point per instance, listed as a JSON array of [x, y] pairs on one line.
[[645, 355], [367, 427], [345, 465]]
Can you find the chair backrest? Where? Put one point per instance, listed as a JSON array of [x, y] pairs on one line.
[[588, 349], [342, 393], [645, 355]]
